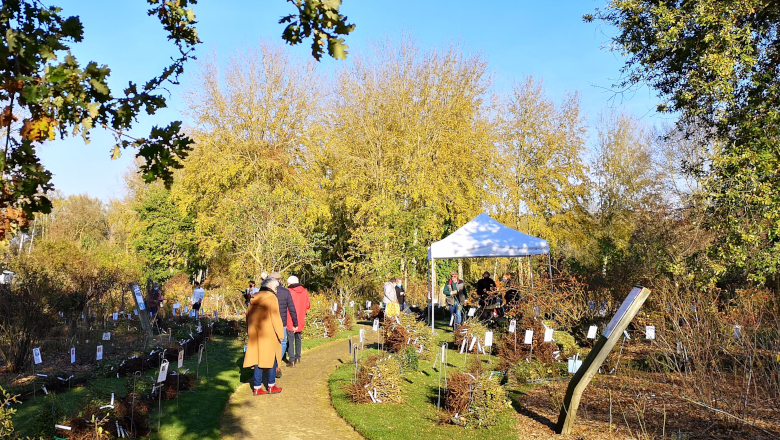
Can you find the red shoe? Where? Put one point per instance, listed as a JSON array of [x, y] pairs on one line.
[[274, 390], [259, 391]]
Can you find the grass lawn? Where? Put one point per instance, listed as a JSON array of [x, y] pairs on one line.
[[417, 417], [198, 412]]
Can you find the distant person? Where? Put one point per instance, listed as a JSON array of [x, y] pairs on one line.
[[197, 298], [510, 289], [485, 287], [389, 293], [285, 303], [249, 292], [400, 294], [265, 333], [455, 294], [300, 297], [154, 298]]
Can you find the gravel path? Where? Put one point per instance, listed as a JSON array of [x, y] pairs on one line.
[[301, 411]]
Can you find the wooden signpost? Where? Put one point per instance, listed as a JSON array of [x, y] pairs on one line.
[[596, 357], [141, 310]]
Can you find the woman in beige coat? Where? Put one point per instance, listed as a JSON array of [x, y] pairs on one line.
[[265, 331]]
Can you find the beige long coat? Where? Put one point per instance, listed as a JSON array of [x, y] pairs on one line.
[[265, 331]]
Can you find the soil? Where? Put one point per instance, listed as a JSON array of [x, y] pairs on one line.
[[301, 411]]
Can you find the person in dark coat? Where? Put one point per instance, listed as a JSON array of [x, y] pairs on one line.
[[285, 303], [485, 287], [400, 294]]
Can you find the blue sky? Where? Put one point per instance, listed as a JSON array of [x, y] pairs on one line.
[[545, 39]]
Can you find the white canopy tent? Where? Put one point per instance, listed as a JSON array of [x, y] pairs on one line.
[[484, 237]]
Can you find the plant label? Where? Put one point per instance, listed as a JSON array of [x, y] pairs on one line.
[[444, 352], [199, 329], [116, 316], [66, 428], [473, 341], [99, 354], [452, 319], [215, 315], [537, 311], [548, 334], [435, 300], [529, 337], [163, 374], [512, 326], [37, 356], [737, 331], [135, 312], [625, 334], [176, 305], [488, 339], [362, 334], [650, 332], [107, 336], [335, 307], [350, 345], [368, 304], [352, 304], [181, 359], [200, 353], [186, 309], [192, 314], [463, 345], [592, 330], [72, 355], [375, 327], [472, 312]]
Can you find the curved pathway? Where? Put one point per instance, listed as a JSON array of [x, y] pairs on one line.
[[301, 411]]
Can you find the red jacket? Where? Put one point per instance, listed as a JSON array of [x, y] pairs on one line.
[[300, 298]]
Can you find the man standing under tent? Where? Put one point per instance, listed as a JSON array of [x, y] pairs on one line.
[[485, 287], [285, 303], [455, 292]]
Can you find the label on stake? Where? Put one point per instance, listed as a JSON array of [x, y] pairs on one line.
[[529, 337], [548, 334], [488, 339], [163, 371], [99, 354], [650, 332], [472, 312], [181, 359], [375, 327], [73, 355], [37, 356], [592, 331], [512, 326]]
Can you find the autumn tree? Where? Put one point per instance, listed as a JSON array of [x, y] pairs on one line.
[[407, 154], [543, 180], [245, 183], [716, 63]]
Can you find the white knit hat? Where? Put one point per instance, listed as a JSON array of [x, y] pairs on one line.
[[292, 280]]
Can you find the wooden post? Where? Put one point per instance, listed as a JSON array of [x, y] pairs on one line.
[[143, 312], [596, 357]]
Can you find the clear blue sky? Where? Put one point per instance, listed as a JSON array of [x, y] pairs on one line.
[[545, 39]]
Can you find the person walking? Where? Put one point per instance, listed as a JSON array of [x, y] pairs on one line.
[[285, 303], [455, 292], [300, 297], [265, 333]]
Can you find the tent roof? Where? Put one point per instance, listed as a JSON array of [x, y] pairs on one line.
[[487, 238]]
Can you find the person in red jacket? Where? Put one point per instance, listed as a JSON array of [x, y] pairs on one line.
[[300, 297]]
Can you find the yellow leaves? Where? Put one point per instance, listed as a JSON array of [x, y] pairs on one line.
[[38, 130]]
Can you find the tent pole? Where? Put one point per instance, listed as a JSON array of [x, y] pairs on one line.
[[531, 277], [549, 267], [433, 290]]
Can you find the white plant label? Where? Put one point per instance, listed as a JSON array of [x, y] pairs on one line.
[[529, 337], [99, 354], [625, 333], [73, 355], [107, 336], [368, 304], [352, 304], [37, 356], [335, 306], [135, 312], [362, 335], [192, 313], [548, 334], [463, 345], [592, 331], [163, 371], [737, 331], [375, 327], [488, 339], [186, 309], [200, 353], [181, 359], [452, 319], [512, 326], [650, 332], [116, 316], [473, 341], [443, 352], [472, 312]]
